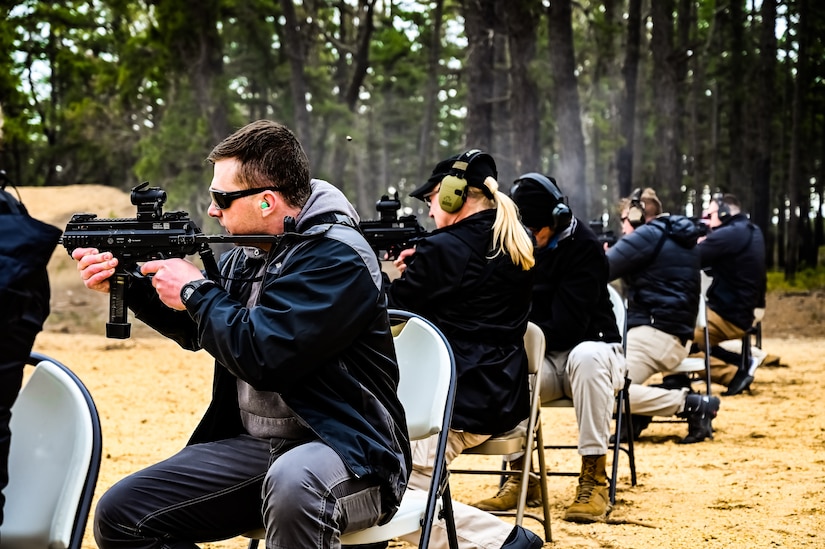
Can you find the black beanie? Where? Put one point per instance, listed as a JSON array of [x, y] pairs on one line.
[[535, 204]]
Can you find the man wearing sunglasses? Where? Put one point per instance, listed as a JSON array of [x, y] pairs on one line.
[[305, 435]]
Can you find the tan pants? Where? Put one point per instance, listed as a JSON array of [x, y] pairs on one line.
[[591, 374], [474, 528], [651, 351], [719, 330]]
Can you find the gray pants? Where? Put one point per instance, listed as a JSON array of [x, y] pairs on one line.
[[301, 491]]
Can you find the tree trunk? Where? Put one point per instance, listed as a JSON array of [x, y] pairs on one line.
[[522, 24], [570, 173], [666, 97], [480, 25], [426, 147], [799, 107], [630, 71], [736, 98], [502, 123], [295, 48], [765, 106]]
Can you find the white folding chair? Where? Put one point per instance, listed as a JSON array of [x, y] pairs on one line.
[[623, 421], [426, 389], [519, 440], [53, 462]]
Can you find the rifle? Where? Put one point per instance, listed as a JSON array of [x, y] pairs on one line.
[[391, 234], [151, 235], [603, 236]]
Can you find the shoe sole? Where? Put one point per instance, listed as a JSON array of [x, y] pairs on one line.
[[584, 518]]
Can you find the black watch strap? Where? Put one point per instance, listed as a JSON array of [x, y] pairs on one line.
[[189, 289]]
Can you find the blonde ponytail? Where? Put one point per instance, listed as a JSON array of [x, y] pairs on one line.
[[509, 235]]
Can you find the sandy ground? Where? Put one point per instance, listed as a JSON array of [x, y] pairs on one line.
[[758, 483]]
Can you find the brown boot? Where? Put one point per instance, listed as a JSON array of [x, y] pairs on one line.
[[507, 496], [592, 503]]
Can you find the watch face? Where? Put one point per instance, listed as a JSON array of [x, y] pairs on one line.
[[187, 293]]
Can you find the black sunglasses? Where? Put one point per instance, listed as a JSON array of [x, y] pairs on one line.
[[224, 199]]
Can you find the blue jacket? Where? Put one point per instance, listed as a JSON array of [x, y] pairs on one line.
[[734, 255], [659, 266], [319, 336]]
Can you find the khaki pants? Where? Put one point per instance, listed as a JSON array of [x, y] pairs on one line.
[[591, 374], [719, 330], [651, 351], [474, 528]]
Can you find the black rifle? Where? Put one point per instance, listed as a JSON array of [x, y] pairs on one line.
[[603, 236], [701, 226], [390, 234], [151, 235]]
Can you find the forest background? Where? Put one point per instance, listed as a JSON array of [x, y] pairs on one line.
[[689, 97]]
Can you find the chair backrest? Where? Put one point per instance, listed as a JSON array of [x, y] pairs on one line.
[[53, 462], [427, 373], [534, 344], [426, 388], [702, 313], [619, 311]]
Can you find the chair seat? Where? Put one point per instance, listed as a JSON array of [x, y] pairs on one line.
[[511, 442], [558, 403], [689, 365], [498, 445], [405, 521]]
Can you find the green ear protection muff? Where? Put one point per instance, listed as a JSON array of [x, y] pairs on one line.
[[636, 210], [453, 191]]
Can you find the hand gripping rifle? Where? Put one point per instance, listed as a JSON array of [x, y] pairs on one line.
[[151, 235], [391, 234]]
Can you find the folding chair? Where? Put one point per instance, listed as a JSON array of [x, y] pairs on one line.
[[521, 439], [623, 418], [427, 391], [53, 462]]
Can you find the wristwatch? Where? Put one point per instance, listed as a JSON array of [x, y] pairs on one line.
[[189, 289]]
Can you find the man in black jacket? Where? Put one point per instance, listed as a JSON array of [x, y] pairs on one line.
[[305, 434], [584, 358], [25, 248], [658, 263], [734, 255]]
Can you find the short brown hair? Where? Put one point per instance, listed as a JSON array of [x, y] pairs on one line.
[[270, 155]]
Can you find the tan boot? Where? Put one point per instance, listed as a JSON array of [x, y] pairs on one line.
[[592, 503], [507, 496]]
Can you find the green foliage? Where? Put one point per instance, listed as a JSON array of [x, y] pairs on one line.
[[804, 280], [119, 91]]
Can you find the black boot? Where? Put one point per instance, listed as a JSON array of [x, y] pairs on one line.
[[699, 411], [674, 381], [741, 382], [522, 538]]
